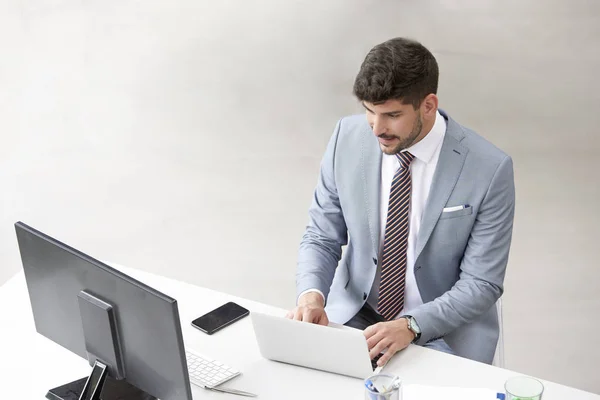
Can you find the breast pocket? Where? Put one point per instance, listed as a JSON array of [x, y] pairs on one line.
[[449, 212]]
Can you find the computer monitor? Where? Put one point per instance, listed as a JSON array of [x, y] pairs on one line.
[[129, 332]]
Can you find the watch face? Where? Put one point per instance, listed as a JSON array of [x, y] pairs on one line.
[[414, 326]]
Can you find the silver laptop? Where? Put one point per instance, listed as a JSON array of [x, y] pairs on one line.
[[334, 348]]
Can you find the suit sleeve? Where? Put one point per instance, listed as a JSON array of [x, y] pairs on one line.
[[483, 266], [326, 232]]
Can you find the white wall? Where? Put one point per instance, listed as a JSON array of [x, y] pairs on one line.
[[184, 138]]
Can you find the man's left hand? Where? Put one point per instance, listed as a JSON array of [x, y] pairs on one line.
[[391, 336]]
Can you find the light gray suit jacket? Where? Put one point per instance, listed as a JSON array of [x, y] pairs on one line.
[[460, 258]]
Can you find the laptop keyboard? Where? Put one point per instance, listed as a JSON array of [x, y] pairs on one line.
[[374, 361]]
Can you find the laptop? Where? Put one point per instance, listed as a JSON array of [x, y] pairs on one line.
[[335, 348]]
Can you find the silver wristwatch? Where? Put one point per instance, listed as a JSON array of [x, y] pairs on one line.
[[414, 327]]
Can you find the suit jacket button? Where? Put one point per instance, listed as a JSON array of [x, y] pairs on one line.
[[375, 261], [364, 296]]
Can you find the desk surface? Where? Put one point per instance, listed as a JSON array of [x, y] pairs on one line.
[[31, 364]]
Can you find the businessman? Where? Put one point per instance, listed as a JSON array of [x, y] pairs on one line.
[[425, 207]]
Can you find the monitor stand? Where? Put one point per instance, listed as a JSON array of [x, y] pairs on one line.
[[98, 386]]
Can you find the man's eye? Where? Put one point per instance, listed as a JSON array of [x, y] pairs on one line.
[[394, 115]]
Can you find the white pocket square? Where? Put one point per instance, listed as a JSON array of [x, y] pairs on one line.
[[455, 208]]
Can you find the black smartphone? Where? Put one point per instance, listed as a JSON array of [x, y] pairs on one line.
[[220, 317]]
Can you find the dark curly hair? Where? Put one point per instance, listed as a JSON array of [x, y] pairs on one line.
[[398, 69]]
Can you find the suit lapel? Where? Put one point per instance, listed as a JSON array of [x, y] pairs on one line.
[[449, 166], [371, 177]]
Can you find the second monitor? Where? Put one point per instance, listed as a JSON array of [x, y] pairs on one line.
[[127, 330]]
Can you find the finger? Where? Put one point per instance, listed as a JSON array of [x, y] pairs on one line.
[[306, 315], [298, 314], [310, 315], [373, 340], [379, 347], [388, 354], [323, 320], [289, 314], [371, 330]]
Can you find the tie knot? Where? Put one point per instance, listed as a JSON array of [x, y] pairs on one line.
[[405, 159]]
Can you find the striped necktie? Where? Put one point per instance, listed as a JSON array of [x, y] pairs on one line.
[[393, 265]]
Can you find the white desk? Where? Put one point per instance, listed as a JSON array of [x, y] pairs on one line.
[[31, 364]]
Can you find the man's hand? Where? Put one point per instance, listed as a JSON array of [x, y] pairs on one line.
[[311, 308], [392, 336]]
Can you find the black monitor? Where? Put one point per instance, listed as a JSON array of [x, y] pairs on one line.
[[129, 332]]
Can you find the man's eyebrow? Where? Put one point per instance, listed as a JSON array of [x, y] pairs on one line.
[[386, 113]]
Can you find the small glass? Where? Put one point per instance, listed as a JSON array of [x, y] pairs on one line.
[[523, 388], [383, 387]]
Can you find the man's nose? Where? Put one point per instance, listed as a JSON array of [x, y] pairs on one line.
[[378, 126]]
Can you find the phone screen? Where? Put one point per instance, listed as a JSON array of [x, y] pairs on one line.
[[220, 317]]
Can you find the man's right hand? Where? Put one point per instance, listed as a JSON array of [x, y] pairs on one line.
[[311, 308]]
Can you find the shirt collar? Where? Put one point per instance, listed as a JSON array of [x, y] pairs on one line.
[[426, 147]]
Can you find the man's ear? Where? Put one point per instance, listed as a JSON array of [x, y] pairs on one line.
[[429, 105]]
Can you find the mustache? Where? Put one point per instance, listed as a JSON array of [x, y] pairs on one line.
[[384, 136]]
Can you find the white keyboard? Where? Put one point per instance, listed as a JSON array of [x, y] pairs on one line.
[[204, 371]]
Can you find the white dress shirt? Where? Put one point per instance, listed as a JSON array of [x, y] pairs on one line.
[[427, 153], [422, 168]]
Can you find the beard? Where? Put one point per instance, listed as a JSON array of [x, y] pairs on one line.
[[406, 142]]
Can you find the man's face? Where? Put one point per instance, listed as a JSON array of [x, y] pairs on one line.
[[396, 125]]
